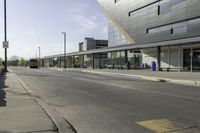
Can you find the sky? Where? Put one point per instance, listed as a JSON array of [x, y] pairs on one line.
[[34, 23]]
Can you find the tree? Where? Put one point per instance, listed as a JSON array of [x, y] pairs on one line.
[[1, 61], [14, 60], [21, 61]]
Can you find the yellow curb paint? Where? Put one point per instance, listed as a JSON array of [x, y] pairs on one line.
[[161, 125]]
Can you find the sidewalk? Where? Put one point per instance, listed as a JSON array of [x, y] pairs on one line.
[[186, 78], [19, 112]]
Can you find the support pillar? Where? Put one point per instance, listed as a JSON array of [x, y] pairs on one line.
[[93, 61], [74, 61], [158, 57], [120, 57], [126, 60], [126, 56], [99, 60], [191, 59], [112, 63], [169, 59], [60, 62], [83, 63], [179, 59]]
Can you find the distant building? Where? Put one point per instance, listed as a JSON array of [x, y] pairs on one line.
[[91, 43], [81, 46]]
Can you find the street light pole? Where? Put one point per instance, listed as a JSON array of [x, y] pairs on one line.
[[65, 40], [39, 57], [5, 39]]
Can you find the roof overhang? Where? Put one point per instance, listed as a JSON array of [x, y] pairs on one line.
[[185, 41]]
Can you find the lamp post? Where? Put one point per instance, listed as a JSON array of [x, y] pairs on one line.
[[5, 43], [39, 57], [65, 38]]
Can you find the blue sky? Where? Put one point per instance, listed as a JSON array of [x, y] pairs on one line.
[[33, 23]]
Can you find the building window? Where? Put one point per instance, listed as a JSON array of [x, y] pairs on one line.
[[167, 6], [164, 8], [159, 29], [180, 28], [143, 7]]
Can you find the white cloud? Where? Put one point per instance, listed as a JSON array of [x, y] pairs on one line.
[[31, 32], [85, 22], [57, 48]]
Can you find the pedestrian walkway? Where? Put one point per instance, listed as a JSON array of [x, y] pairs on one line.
[[19, 112], [161, 74], [186, 78]]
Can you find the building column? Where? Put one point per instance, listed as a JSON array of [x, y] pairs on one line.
[[60, 62], [93, 61], [99, 60], [126, 56], [191, 59], [120, 57], [169, 59], [158, 57], [112, 60], [126, 59], [74, 61], [179, 58], [83, 63]]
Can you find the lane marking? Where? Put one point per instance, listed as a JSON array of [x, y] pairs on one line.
[[163, 125]]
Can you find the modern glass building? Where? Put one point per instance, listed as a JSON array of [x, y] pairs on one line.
[[164, 31], [140, 32]]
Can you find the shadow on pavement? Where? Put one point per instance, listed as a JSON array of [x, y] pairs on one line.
[[2, 90], [4, 132]]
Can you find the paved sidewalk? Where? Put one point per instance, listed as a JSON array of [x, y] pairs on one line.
[[186, 78], [163, 74], [19, 112]]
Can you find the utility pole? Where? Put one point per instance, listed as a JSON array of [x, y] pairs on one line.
[[65, 40], [5, 43], [39, 57]]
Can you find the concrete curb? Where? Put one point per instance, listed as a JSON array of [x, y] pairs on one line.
[[150, 78], [61, 124]]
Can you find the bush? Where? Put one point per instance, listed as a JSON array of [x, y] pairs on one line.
[[1, 70]]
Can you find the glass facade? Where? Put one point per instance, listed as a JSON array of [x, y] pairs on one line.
[[168, 5], [176, 28], [88, 60], [115, 37]]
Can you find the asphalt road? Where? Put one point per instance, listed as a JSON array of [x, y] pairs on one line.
[[95, 103]]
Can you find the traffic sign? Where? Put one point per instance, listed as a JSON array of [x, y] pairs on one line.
[[5, 44]]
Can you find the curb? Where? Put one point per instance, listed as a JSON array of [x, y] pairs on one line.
[[61, 124], [150, 78]]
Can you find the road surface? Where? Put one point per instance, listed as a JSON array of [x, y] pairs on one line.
[[95, 103]]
